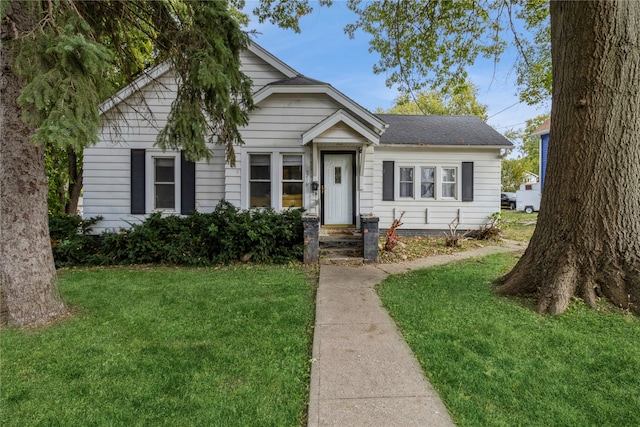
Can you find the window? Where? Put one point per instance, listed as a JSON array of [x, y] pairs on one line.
[[427, 182], [449, 182], [406, 182], [164, 183], [260, 180], [291, 181]]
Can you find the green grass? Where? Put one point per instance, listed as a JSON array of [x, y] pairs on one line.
[[517, 225], [495, 362], [164, 346]]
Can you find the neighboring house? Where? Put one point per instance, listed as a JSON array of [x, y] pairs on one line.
[[543, 131], [530, 177], [307, 145]]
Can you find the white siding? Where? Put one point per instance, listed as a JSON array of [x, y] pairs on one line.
[[258, 70], [277, 128], [135, 124], [367, 201], [429, 214]]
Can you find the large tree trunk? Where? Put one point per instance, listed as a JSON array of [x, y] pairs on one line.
[[27, 273], [587, 241]]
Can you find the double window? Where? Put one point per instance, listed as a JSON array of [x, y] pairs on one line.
[[275, 180]]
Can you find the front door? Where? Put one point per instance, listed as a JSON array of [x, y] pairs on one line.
[[338, 189]]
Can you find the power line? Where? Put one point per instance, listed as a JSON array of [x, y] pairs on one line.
[[510, 126], [502, 111]]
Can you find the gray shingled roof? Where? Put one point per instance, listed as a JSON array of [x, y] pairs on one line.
[[439, 130]]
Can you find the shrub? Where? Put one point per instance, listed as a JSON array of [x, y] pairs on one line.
[[225, 235], [69, 240]]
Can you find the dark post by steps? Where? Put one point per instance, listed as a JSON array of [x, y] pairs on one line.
[[370, 237], [311, 235]]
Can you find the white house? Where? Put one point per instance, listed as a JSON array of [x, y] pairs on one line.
[[307, 145]]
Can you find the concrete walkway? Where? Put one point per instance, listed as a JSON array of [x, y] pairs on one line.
[[363, 372]]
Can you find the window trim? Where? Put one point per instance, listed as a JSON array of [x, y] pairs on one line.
[[150, 182], [455, 183], [282, 181], [435, 182], [400, 182], [250, 180], [276, 155], [417, 182]]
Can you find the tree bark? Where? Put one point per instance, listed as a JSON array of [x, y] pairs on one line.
[[587, 241], [27, 272], [75, 182]]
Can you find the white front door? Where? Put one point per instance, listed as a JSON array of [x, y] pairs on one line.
[[338, 189]]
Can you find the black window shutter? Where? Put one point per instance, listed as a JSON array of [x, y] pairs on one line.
[[138, 203], [187, 186], [387, 180], [467, 181]]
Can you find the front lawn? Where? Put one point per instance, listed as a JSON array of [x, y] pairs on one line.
[[165, 346], [495, 362]]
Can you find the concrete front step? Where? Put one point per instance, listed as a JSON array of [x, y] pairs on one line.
[[341, 251], [340, 246], [341, 260]]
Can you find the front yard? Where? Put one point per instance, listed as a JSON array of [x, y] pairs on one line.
[[495, 362], [166, 346]]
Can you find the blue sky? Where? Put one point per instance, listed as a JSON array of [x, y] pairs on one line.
[[322, 51]]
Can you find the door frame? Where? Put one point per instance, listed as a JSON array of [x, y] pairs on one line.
[[353, 183]]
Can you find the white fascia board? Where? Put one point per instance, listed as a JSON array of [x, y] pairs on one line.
[[541, 132], [135, 86], [335, 118], [444, 146], [261, 53], [329, 90]]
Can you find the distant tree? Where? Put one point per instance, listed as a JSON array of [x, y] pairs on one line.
[[512, 174], [462, 101], [527, 145]]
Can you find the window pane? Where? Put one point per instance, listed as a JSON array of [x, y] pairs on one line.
[[337, 176], [428, 174], [260, 166], [448, 190], [406, 174], [165, 196], [292, 195], [164, 170], [406, 182], [406, 189], [427, 183], [426, 190], [448, 175], [449, 182], [292, 167], [260, 194]]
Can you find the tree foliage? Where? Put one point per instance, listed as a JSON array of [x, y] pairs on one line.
[[431, 43], [461, 102], [528, 154], [79, 54]]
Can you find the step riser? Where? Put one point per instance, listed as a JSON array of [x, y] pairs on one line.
[[341, 252], [341, 247]]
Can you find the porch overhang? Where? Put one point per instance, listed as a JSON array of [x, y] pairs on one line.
[[321, 133]]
